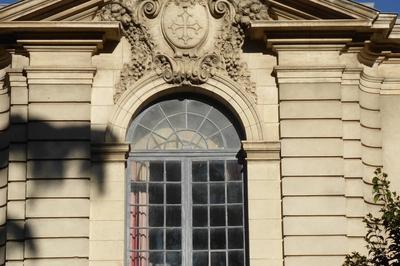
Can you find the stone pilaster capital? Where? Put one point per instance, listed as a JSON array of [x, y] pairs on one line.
[[109, 152], [262, 150]]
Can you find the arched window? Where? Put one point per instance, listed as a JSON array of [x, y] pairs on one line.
[[186, 186]]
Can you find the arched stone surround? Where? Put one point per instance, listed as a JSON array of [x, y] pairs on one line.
[[151, 87]]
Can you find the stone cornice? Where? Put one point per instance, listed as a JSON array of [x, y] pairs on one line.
[[84, 35], [262, 150], [112, 152]]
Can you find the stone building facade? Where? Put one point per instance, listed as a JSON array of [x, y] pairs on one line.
[[116, 116]]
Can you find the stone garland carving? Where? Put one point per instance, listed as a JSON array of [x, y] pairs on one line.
[[184, 67]]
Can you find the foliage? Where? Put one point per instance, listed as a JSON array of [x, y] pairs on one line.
[[383, 235]]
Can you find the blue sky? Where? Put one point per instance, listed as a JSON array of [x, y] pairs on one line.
[[383, 5]]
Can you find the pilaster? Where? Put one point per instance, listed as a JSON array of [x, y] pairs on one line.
[[264, 202], [16, 227], [4, 149], [60, 78], [107, 203], [313, 184]]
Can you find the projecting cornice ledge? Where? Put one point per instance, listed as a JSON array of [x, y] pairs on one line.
[[67, 33], [381, 30], [262, 150], [111, 152]]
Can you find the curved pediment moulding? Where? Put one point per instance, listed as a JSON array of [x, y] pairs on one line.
[[185, 41], [152, 86]]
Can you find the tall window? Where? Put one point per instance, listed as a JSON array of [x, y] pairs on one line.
[[186, 187]]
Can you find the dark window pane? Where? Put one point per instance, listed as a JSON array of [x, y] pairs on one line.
[[235, 193], [199, 171], [236, 258], [138, 188], [217, 216], [156, 237], [217, 193], [218, 239], [200, 216], [173, 170], [173, 239], [156, 258], [234, 170], [199, 193], [156, 193], [218, 259], [235, 215], [174, 258], [156, 171], [174, 218], [235, 238], [173, 193], [200, 258], [200, 239], [156, 216], [217, 171]]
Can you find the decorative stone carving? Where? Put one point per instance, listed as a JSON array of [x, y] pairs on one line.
[[198, 50]]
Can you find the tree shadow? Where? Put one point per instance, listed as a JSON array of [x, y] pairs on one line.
[[54, 153]]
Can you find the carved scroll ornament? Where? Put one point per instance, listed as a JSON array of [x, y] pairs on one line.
[[185, 26]]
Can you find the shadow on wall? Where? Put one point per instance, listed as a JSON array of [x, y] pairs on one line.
[[57, 153]]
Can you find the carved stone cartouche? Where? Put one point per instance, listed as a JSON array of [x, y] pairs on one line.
[[185, 26]]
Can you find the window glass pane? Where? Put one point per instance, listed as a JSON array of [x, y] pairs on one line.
[[235, 215], [156, 216], [200, 258], [234, 170], [174, 258], [156, 258], [218, 238], [173, 193], [235, 238], [178, 121], [198, 107], [200, 217], [173, 171], [140, 137], [236, 258], [217, 171], [200, 239], [218, 259], [194, 121], [199, 171], [208, 128], [174, 218], [152, 116], [235, 193], [218, 118], [217, 193], [231, 138], [199, 193], [156, 193], [173, 239], [156, 171], [172, 107], [215, 142], [156, 237], [217, 215]]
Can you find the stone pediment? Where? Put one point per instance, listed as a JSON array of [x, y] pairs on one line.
[[78, 10]]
